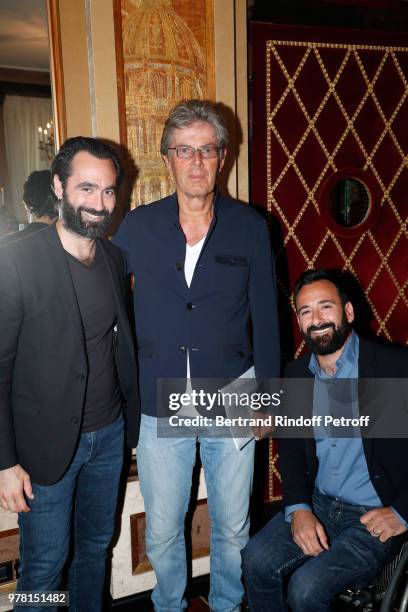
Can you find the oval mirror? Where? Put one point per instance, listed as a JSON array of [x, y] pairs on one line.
[[349, 202]]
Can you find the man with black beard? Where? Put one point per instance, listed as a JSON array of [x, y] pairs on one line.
[[345, 499], [67, 381]]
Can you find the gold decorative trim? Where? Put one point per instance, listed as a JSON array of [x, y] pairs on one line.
[[273, 471], [351, 51]]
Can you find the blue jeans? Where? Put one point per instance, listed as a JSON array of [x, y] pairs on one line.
[[277, 573], [165, 468], [85, 499]]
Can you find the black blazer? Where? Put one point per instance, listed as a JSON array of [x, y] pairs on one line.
[[387, 459], [233, 282], [43, 363]]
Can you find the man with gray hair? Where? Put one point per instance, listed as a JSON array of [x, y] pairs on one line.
[[203, 269]]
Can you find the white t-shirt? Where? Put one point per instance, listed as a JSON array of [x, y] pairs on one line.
[[192, 255]]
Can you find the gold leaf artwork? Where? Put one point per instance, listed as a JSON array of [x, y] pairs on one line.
[[168, 57]]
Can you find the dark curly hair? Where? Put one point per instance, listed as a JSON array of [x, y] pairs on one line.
[[38, 196], [334, 276], [61, 165]]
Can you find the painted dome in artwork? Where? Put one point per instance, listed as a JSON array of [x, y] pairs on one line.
[[163, 64], [155, 32]]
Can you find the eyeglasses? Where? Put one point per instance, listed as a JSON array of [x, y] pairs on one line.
[[206, 152]]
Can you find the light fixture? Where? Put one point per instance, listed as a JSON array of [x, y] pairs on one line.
[[46, 139]]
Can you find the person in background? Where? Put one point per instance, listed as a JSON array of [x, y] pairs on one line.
[[40, 202]]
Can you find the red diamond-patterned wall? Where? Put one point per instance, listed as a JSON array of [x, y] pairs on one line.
[[323, 102]]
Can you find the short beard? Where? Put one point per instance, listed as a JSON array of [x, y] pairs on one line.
[[326, 344], [73, 222]]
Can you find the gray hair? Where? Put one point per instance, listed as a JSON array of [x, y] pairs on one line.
[[187, 112]]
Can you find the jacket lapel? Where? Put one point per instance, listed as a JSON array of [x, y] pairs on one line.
[[366, 360], [112, 273], [366, 370], [63, 281], [176, 242], [310, 443], [123, 321]]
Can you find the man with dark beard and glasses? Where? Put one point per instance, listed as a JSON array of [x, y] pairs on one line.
[[345, 498], [67, 380]]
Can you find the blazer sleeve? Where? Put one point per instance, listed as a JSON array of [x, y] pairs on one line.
[[294, 472], [11, 317], [263, 307], [297, 456]]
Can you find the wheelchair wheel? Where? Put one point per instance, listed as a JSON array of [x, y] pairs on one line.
[[396, 597]]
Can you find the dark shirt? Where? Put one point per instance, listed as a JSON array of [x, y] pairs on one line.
[[98, 312]]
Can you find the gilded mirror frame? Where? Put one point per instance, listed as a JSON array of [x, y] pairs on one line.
[[56, 72]]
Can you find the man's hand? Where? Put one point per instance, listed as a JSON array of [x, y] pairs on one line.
[[308, 533], [14, 482], [263, 431], [382, 523]]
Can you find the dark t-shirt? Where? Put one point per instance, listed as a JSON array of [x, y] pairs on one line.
[[98, 312]]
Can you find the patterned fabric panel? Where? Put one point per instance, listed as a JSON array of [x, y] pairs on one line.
[[321, 106]]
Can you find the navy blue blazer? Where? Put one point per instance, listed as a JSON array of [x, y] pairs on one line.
[[233, 284]]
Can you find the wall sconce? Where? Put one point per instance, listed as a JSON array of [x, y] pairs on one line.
[[46, 140]]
